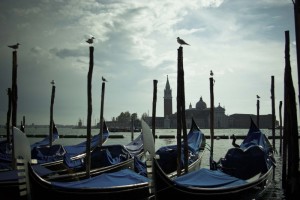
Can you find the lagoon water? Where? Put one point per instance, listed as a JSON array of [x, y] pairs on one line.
[[219, 150]]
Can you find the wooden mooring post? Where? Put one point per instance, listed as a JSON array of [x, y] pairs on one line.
[[51, 113], [14, 89], [257, 111], [101, 112], [8, 116], [212, 121], [291, 182], [280, 127], [181, 119], [89, 113], [14, 99], [154, 107], [273, 111]]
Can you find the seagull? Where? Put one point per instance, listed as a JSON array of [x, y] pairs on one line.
[[103, 79], [257, 96], [52, 82], [211, 73], [181, 41], [90, 40], [16, 46]]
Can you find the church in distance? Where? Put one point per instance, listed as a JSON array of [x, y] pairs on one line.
[[201, 114]]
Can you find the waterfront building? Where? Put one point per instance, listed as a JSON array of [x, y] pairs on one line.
[[201, 115]]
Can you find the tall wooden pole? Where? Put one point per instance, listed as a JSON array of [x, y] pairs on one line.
[[51, 113], [179, 110], [22, 128], [183, 119], [285, 115], [291, 129], [101, 113], [297, 33], [14, 101], [14, 89], [212, 121], [132, 128], [154, 107], [8, 116], [89, 115], [257, 108], [280, 127], [273, 110]]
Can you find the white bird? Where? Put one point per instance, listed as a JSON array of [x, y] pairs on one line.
[[103, 79], [90, 40], [15, 46], [181, 41], [52, 82]]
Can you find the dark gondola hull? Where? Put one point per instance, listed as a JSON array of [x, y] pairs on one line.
[[109, 158], [11, 189], [71, 176], [41, 189], [244, 173], [165, 187]]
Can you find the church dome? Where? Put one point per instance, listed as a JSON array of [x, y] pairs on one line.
[[220, 109], [201, 104]]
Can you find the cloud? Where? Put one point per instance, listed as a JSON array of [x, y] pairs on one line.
[[65, 53], [136, 43]]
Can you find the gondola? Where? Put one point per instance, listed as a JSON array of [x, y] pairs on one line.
[[196, 146], [12, 182], [120, 184], [52, 157], [128, 183], [244, 173], [6, 148], [104, 158]]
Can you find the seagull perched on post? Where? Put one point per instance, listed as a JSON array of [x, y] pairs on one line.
[[90, 40], [15, 46], [181, 41], [211, 73], [103, 79], [257, 96]]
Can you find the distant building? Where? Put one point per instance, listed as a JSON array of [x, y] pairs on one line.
[[201, 115], [168, 100], [168, 108], [79, 124]]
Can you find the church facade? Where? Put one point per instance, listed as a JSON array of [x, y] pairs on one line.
[[201, 114]]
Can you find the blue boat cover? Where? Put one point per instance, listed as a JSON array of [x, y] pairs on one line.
[[254, 156], [56, 152], [207, 178], [168, 154], [45, 154], [256, 137], [10, 175], [239, 164], [140, 167], [100, 157], [5, 148], [46, 140], [136, 146], [246, 163], [107, 155], [74, 150], [105, 180]]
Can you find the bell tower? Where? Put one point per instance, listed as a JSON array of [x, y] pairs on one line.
[[167, 99]]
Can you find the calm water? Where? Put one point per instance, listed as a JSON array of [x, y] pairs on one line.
[[220, 146]]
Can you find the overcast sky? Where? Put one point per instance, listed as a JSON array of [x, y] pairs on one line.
[[242, 41]]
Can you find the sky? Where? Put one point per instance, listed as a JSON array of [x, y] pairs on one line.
[[241, 41]]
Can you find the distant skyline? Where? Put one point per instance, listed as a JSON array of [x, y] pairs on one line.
[[241, 41]]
